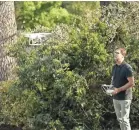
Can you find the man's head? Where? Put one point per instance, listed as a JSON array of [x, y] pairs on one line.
[[119, 55]]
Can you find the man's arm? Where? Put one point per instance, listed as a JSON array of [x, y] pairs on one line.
[[126, 86]]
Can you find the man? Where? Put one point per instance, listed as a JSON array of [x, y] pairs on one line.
[[123, 81]]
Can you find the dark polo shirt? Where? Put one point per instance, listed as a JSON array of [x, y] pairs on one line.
[[120, 73]]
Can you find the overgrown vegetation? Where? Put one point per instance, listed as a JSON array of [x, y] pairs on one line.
[[58, 83]]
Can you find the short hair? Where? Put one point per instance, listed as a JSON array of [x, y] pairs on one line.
[[122, 50]]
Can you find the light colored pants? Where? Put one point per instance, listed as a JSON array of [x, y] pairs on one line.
[[122, 110]]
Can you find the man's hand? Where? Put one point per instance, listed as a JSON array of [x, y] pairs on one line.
[[116, 90]]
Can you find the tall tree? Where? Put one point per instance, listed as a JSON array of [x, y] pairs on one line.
[[7, 36], [30, 14]]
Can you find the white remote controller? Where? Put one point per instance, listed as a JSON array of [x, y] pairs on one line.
[[109, 91]]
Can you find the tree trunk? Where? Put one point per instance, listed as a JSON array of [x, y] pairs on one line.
[[7, 36]]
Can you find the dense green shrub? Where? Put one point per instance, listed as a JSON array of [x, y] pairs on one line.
[[58, 83]]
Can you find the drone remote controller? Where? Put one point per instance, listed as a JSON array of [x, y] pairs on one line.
[[108, 89]]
